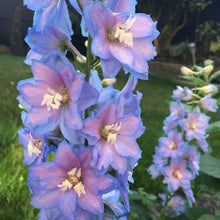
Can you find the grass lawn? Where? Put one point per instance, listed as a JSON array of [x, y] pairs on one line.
[[14, 194]]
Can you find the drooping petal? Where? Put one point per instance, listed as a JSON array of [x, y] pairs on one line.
[[47, 200], [67, 203], [110, 67], [120, 6], [90, 202], [127, 147], [48, 175]]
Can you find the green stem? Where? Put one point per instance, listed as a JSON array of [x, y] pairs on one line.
[[163, 211], [88, 58]]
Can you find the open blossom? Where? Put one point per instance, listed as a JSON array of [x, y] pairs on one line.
[[36, 148], [192, 157], [114, 137], [182, 94], [171, 146], [121, 39], [208, 103], [69, 183], [44, 43], [177, 175], [195, 124], [54, 99]]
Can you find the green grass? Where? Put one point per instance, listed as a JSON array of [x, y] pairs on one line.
[[14, 193]]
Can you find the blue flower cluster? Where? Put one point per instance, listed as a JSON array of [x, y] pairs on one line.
[[177, 156], [90, 126]]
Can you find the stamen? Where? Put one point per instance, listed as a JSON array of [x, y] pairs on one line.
[[34, 146], [192, 126], [173, 146], [177, 174], [110, 132], [52, 99], [73, 180], [120, 33]]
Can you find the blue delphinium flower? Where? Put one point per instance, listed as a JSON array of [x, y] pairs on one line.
[[121, 39], [36, 148], [50, 13], [114, 136], [208, 103], [182, 94], [54, 99], [195, 124], [69, 182], [44, 43]]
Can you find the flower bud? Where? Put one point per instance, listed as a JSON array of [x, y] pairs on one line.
[[207, 70], [187, 72], [208, 89], [208, 62], [107, 82]]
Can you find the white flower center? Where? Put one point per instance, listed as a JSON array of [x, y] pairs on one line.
[[173, 146], [73, 180], [110, 132], [120, 32], [34, 146], [177, 174], [52, 99]]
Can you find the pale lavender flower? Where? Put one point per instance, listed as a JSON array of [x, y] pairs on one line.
[[189, 195], [177, 175], [69, 182], [55, 99], [192, 157], [119, 39], [195, 125], [169, 125], [182, 94], [208, 103], [203, 144], [114, 137], [153, 171], [177, 112], [171, 146]]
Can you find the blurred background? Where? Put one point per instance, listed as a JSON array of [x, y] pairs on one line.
[[186, 27]]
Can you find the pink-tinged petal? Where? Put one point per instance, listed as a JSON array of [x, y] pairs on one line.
[[90, 202], [72, 118], [100, 45], [146, 47], [67, 203], [32, 55], [46, 200], [67, 72], [108, 114], [140, 64], [143, 26], [119, 163], [104, 155], [129, 125], [85, 158], [99, 16], [48, 175], [122, 53], [92, 127], [38, 116], [95, 183], [44, 73], [110, 67], [65, 157], [76, 87], [127, 147], [33, 92]]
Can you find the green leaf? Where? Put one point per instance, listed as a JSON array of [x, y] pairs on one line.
[[208, 217], [210, 165], [195, 80], [215, 75], [214, 127]]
